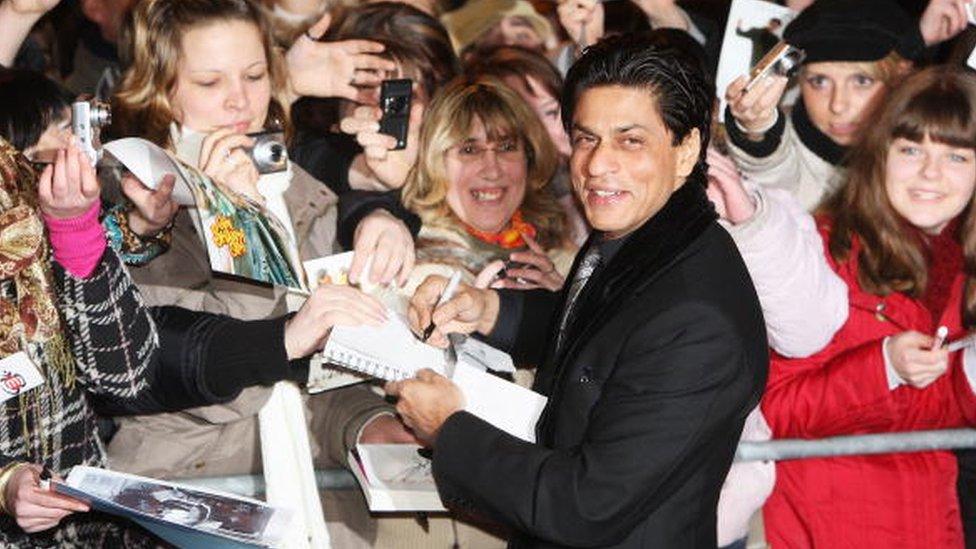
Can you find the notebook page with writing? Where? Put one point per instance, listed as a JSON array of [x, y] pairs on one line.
[[389, 352]]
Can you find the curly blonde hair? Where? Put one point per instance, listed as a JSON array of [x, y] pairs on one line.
[[142, 105], [504, 114]]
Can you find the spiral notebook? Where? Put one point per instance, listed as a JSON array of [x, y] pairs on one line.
[[390, 352]]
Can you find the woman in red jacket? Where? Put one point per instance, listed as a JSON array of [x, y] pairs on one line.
[[895, 234]]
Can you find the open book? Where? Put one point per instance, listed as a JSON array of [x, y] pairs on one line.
[[186, 517], [395, 478]]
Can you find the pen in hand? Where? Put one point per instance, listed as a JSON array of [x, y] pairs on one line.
[[446, 296], [940, 337]]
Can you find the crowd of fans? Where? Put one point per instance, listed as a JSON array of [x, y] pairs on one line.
[[850, 202]]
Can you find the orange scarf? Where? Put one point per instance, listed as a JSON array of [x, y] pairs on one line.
[[510, 237]]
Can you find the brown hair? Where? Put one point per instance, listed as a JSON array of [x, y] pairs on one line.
[[504, 114], [514, 62], [141, 106], [940, 103], [415, 40]]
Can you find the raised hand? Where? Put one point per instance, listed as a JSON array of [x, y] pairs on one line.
[[390, 167], [662, 13], [387, 241], [725, 190], [755, 110], [68, 188], [582, 20], [346, 69], [943, 20]]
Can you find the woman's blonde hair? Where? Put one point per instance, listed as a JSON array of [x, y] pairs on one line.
[[504, 114], [141, 106]]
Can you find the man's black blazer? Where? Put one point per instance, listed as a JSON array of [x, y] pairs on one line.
[[666, 357]]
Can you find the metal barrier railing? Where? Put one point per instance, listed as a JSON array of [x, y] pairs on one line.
[[776, 450]]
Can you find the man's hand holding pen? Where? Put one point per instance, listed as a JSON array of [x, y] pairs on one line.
[[469, 310], [428, 400]]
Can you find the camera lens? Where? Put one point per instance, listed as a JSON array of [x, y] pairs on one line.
[[396, 105], [101, 115]]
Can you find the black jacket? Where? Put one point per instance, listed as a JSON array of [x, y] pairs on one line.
[[665, 359]]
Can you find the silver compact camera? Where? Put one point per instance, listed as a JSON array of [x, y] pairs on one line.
[[269, 153], [782, 60], [87, 117]]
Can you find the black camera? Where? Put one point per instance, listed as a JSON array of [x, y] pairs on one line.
[[269, 153], [395, 99]]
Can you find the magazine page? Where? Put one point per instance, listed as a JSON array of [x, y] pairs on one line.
[[395, 478], [171, 506]]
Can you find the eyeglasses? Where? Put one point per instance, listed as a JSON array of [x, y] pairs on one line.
[[508, 150]]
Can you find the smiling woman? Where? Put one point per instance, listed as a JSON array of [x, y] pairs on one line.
[[900, 235], [481, 188]]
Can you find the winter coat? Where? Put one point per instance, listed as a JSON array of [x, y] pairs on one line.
[[886, 500]]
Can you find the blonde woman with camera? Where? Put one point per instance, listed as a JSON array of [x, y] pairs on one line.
[[856, 52]]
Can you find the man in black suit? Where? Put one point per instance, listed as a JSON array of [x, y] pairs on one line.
[[651, 356]]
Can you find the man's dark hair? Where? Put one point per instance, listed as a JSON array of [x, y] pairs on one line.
[[661, 62]]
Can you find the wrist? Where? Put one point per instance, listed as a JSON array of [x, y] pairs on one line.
[[6, 473]]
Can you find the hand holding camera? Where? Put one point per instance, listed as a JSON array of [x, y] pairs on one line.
[[224, 158], [753, 99], [388, 137], [68, 188], [755, 109]]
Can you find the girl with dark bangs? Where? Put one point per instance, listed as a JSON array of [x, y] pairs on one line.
[[893, 235]]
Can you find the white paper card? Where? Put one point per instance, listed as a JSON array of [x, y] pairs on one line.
[[149, 163], [18, 374], [506, 405]]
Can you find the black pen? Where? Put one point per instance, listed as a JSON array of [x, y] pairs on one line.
[[452, 286]]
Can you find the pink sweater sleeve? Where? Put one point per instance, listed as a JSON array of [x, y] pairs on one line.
[[77, 243]]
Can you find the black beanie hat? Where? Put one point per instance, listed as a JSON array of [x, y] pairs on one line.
[[855, 30]]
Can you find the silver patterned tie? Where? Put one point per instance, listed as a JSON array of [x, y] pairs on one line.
[[589, 264]]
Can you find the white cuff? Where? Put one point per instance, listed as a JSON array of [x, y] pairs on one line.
[[894, 380], [969, 365]]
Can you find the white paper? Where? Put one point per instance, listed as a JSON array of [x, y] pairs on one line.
[[506, 405], [18, 374], [149, 163], [288, 471], [736, 56]]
